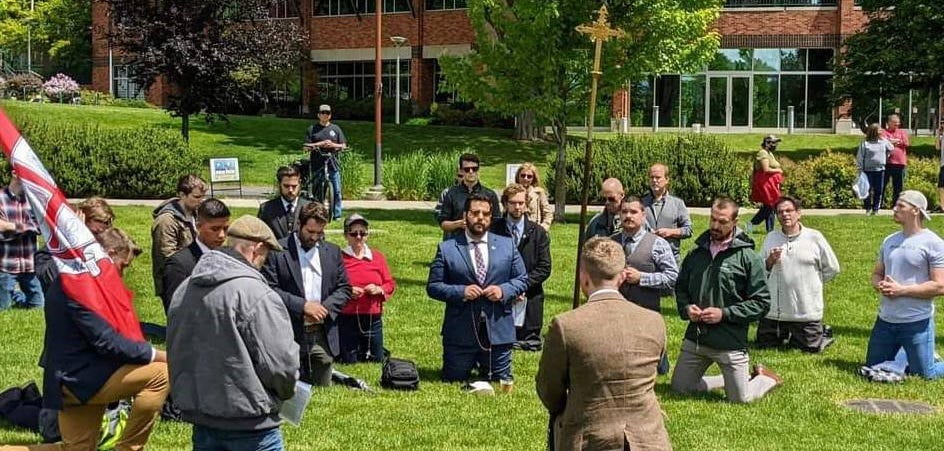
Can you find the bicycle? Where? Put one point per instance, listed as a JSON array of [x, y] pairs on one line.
[[314, 179]]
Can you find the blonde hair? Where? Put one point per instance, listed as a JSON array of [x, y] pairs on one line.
[[96, 209], [602, 259], [529, 167], [872, 133], [116, 241]]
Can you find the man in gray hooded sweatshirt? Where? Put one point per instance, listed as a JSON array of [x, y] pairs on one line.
[[234, 357]]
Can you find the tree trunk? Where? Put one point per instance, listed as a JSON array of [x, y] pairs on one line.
[[526, 128], [185, 127], [560, 175]]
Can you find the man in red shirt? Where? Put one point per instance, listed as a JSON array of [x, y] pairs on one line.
[[898, 159]]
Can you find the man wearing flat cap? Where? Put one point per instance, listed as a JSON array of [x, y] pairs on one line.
[[225, 312], [310, 278]]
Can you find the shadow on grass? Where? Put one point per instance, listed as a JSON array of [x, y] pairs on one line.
[[664, 391], [418, 217], [849, 331], [846, 366]]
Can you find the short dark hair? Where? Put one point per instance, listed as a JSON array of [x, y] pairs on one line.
[[212, 208], [477, 197], [630, 199], [726, 202], [797, 204], [190, 182], [470, 157], [286, 171], [313, 210]]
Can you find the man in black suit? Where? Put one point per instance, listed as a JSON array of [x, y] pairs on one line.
[[212, 222], [281, 214], [535, 248], [309, 276]]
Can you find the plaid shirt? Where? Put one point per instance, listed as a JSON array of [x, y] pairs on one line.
[[18, 246]]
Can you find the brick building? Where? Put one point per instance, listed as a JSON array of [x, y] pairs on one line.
[[774, 66]]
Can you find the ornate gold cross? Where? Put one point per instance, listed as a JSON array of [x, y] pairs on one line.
[[599, 33]]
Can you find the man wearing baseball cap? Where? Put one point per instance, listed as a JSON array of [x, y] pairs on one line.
[[908, 275], [328, 140], [225, 312]]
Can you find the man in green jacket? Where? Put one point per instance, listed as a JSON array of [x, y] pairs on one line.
[[721, 289]]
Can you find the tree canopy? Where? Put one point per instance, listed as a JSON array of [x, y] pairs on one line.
[[897, 50], [528, 57], [213, 53], [60, 34]]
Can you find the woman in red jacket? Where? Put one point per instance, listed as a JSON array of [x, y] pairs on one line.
[[360, 326]]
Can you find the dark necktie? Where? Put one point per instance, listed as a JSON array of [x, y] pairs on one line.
[[480, 269], [290, 217], [515, 235]]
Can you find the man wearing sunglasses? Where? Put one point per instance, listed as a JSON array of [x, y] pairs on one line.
[[450, 218], [607, 222], [328, 138]]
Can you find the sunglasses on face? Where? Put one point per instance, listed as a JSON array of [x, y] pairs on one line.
[[357, 234], [324, 112], [470, 169], [526, 176]]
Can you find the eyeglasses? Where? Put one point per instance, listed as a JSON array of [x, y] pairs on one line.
[[324, 112], [526, 176], [357, 234], [470, 169]]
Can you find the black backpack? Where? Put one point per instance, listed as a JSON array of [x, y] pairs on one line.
[[399, 374]]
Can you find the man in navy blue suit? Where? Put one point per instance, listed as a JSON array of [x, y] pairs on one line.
[[478, 275]]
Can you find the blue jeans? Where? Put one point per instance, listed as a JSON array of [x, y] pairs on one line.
[[359, 334], [334, 177], [29, 296], [876, 189], [494, 365], [766, 215], [210, 439], [916, 339]]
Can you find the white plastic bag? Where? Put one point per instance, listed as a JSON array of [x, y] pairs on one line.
[[294, 408], [861, 186]]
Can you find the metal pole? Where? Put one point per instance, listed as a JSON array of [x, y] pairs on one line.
[[378, 101], [655, 118], [790, 119], [29, 39], [397, 103]]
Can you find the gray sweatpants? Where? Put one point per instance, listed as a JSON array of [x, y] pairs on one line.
[[735, 378]]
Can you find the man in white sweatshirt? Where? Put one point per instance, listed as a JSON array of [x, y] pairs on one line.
[[799, 261]]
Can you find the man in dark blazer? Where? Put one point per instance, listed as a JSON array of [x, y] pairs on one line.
[[598, 370], [212, 222], [309, 276], [535, 248], [478, 275], [281, 214]]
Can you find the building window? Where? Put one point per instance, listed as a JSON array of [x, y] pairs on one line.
[[345, 80], [283, 9], [433, 5], [123, 85], [351, 7], [776, 3], [441, 95]]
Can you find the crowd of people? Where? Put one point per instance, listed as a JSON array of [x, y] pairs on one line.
[[257, 303]]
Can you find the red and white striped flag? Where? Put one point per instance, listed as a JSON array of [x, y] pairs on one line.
[[87, 274]]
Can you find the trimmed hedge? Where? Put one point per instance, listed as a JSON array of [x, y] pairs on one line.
[[701, 167], [87, 160]]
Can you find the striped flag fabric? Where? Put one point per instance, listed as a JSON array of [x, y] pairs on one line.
[[87, 274]]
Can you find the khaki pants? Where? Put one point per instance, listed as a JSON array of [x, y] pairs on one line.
[[80, 424], [735, 378]]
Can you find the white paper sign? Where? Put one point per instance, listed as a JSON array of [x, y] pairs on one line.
[[224, 169]]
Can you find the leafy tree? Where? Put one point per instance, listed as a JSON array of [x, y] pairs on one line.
[[213, 53], [898, 50], [60, 30], [529, 60]]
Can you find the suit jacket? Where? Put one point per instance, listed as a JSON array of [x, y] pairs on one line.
[[179, 267], [272, 212], [283, 270], [597, 374], [535, 249], [452, 270], [81, 350]]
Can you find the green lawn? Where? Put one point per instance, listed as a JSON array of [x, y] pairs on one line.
[[804, 414]]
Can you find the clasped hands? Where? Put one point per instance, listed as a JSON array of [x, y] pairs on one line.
[[889, 287], [709, 315], [492, 293], [315, 312], [370, 289]]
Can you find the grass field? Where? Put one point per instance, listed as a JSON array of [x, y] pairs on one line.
[[803, 414]]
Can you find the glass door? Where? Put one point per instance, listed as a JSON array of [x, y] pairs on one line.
[[729, 102]]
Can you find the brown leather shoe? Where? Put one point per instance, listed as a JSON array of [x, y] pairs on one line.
[[761, 370]]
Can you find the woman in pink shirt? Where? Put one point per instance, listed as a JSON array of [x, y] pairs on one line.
[[898, 158], [360, 324]]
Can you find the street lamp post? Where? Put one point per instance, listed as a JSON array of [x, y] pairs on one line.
[[29, 39], [398, 42]]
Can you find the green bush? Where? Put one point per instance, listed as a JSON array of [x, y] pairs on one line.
[[405, 176], [356, 175], [701, 167], [442, 172], [466, 115], [824, 181], [23, 86], [87, 160], [89, 97]]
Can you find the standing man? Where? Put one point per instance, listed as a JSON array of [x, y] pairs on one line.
[[908, 275], [326, 140], [666, 215], [310, 278], [799, 261], [212, 222], [533, 244], [598, 369], [478, 275], [173, 228], [232, 358], [722, 288], [651, 270], [607, 222], [897, 162], [281, 214], [451, 217], [18, 230]]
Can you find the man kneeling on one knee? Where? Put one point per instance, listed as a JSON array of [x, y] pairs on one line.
[[721, 289]]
